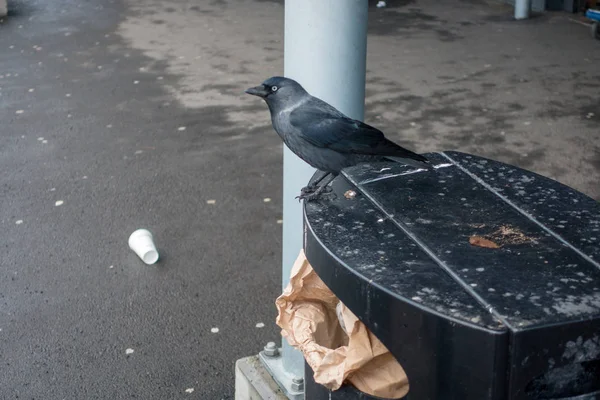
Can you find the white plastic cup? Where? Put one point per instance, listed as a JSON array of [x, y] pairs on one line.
[[142, 243]]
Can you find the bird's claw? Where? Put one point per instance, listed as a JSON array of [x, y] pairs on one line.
[[310, 193], [307, 190]]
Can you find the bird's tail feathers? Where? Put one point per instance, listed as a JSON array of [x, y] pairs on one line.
[[425, 164]]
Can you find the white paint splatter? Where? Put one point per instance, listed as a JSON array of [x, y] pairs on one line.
[[214, 330], [189, 390], [129, 351], [111, 267], [19, 222], [59, 203], [181, 128], [266, 200], [211, 201], [19, 111], [41, 138], [260, 325], [44, 141]]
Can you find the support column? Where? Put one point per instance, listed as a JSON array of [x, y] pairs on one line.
[[325, 51]]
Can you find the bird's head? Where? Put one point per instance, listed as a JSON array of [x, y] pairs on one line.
[[278, 90]]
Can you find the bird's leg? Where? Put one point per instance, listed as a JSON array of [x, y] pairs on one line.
[[313, 186], [313, 195]]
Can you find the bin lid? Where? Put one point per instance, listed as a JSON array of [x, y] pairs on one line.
[[475, 240]]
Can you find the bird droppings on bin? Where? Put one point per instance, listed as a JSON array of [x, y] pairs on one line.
[[350, 194]]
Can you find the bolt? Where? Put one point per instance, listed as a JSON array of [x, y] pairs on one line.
[[271, 350], [298, 383]]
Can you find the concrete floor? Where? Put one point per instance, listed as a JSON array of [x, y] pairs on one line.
[[132, 113]]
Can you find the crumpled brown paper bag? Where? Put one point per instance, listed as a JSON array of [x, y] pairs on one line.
[[308, 319]]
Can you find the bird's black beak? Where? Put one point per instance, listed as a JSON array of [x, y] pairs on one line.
[[259, 91]]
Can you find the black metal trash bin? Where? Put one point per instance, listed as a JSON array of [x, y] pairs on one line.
[[481, 278]]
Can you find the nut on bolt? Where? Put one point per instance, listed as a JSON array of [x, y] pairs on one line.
[[298, 384], [271, 350]]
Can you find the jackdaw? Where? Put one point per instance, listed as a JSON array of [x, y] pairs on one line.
[[324, 137]]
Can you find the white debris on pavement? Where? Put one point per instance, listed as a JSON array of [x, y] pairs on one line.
[[129, 351], [59, 203], [189, 390], [260, 325], [211, 201], [214, 330]]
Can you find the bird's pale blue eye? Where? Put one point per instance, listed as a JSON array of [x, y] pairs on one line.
[[274, 88]]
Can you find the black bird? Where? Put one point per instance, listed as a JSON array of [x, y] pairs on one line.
[[324, 137]]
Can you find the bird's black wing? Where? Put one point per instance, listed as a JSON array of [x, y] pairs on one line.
[[322, 128]]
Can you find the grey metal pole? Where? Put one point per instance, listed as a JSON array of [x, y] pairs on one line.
[[325, 51], [522, 8]]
